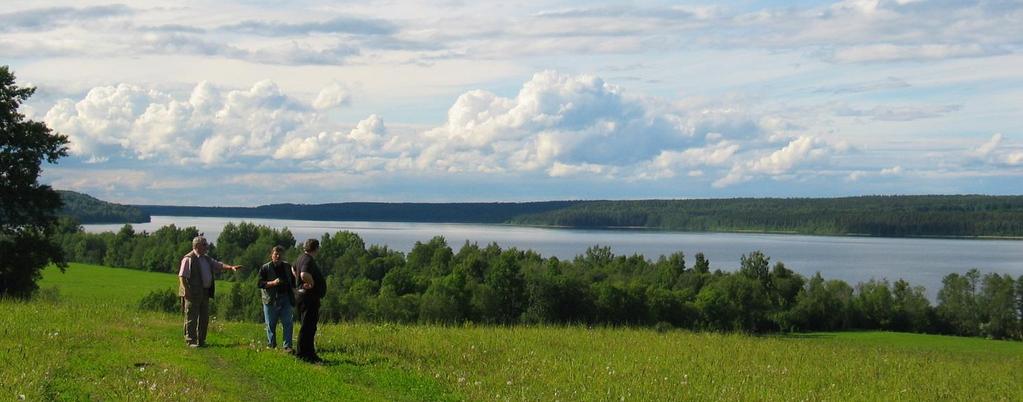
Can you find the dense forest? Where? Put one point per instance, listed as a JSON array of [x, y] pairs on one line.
[[86, 209], [435, 283], [467, 212], [893, 216]]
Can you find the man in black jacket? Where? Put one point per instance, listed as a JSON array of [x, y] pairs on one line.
[[276, 286], [311, 288]]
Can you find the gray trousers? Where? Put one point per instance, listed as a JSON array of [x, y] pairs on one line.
[[197, 317]]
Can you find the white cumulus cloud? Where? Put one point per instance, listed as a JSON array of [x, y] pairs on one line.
[[575, 120], [784, 161], [558, 126], [331, 96], [210, 126]]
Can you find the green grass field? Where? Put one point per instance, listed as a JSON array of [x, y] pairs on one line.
[[92, 343]]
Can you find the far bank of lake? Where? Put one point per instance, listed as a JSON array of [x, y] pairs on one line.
[[921, 261]]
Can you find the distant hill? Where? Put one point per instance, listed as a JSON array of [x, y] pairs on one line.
[[88, 209], [887, 216], [469, 212]]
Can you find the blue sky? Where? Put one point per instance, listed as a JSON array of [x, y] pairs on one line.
[[256, 102]]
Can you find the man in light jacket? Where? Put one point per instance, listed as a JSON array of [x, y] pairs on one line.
[[196, 287]]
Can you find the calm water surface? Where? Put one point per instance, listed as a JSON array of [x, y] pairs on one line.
[[852, 259]]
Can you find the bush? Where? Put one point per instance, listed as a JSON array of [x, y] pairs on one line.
[[49, 294], [165, 300]]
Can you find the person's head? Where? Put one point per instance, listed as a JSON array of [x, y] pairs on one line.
[[311, 246], [200, 245], [275, 253]]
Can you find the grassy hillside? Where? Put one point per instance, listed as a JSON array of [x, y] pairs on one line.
[[90, 342]]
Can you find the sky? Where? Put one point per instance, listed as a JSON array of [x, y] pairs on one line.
[[244, 103]]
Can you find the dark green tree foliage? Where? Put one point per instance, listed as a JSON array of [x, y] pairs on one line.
[[912, 310], [87, 209], [929, 215], [957, 303], [503, 289], [160, 251], [28, 209], [164, 300], [702, 264], [249, 245], [997, 304], [468, 212], [755, 266], [785, 286], [1019, 301], [356, 301], [242, 303], [671, 268], [874, 305], [823, 306], [434, 284], [394, 308]]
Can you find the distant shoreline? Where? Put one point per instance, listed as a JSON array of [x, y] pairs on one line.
[[607, 228], [978, 217]]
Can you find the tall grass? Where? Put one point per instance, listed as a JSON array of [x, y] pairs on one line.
[[92, 342]]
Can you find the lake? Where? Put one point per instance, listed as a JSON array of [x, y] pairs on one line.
[[852, 259]]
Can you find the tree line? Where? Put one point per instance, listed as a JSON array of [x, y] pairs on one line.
[[892, 216], [87, 209], [463, 212], [435, 283]]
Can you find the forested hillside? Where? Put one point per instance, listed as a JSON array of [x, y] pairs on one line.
[[933, 215], [967, 216], [896, 216], [87, 209], [468, 212]]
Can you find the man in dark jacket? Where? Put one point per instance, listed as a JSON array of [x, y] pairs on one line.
[[276, 285], [311, 289]]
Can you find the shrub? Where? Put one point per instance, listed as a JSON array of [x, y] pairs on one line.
[[165, 300], [50, 294]]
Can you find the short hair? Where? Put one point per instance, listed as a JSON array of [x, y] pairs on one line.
[[311, 245], [278, 249], [197, 240]]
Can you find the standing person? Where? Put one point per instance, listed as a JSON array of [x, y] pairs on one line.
[[311, 288], [276, 285], [196, 287]]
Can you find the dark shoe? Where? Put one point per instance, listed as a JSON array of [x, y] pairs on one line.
[[310, 359]]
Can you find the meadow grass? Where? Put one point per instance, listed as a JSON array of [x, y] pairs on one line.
[[91, 342]]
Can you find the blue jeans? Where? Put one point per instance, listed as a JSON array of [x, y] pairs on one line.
[[282, 311]]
